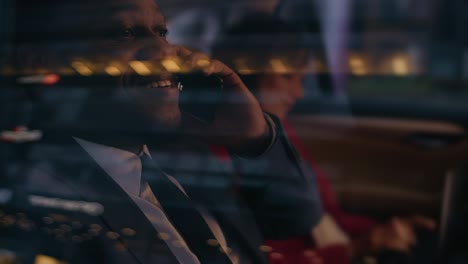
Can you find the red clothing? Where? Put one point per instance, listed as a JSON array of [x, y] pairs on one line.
[[293, 248], [353, 225]]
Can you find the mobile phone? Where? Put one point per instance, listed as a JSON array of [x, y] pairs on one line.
[[200, 95]]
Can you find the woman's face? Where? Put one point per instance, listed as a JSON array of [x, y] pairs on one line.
[[278, 93]]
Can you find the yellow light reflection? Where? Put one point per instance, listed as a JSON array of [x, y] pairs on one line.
[[245, 71], [356, 62], [81, 68], [113, 71], [42, 259], [359, 71], [400, 66], [203, 63], [140, 68], [85, 71], [278, 66], [171, 65], [357, 65], [242, 67]]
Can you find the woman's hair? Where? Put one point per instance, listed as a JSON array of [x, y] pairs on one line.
[[255, 40]]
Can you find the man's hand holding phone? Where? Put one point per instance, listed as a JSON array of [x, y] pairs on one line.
[[238, 121]]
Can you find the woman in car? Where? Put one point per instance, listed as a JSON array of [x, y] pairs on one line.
[[340, 236]]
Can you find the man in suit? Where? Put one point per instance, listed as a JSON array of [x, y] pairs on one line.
[[80, 194]]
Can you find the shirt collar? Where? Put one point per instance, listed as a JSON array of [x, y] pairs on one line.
[[144, 151]]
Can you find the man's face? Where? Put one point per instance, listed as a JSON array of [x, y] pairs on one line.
[[102, 34], [139, 35]]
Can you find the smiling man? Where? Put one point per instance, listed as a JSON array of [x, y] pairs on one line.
[[101, 156]]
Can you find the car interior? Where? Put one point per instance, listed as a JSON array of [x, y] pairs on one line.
[[384, 113]]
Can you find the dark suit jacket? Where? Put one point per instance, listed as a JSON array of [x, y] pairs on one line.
[[211, 185], [274, 187], [281, 193], [60, 191]]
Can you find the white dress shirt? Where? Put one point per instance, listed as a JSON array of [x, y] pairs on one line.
[[125, 168]]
